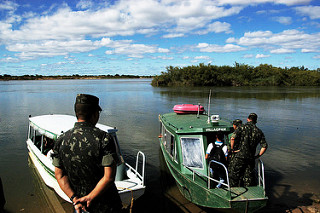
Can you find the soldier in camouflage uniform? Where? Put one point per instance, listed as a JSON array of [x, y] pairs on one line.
[[236, 123], [242, 164], [85, 161]]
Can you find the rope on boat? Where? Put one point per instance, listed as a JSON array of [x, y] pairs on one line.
[[132, 198], [247, 206]]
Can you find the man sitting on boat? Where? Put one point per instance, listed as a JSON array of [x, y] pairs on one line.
[[48, 144], [85, 161], [217, 151]]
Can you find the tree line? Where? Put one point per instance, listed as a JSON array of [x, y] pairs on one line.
[[7, 77], [237, 75]]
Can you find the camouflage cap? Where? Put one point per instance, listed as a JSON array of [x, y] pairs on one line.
[[87, 101], [253, 117], [237, 122]]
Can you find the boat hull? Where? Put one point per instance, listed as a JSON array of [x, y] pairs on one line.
[[46, 173], [200, 195], [128, 189]]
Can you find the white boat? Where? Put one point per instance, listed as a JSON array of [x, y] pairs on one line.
[[45, 129]]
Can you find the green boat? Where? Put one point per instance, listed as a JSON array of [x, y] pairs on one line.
[[184, 137]]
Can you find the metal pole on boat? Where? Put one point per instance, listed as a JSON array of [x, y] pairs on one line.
[[198, 110], [209, 108]]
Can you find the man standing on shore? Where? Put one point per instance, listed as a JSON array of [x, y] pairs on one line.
[[85, 161], [242, 164]]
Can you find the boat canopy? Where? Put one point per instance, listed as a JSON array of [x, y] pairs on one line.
[[191, 124], [54, 125]]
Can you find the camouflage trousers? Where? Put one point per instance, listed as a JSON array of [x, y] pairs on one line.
[[241, 172]]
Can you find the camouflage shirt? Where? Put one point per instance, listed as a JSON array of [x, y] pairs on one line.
[[247, 138], [82, 153]]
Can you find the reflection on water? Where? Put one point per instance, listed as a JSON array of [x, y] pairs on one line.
[[287, 116], [267, 93]]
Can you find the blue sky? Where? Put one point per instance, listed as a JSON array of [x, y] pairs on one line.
[[143, 37]]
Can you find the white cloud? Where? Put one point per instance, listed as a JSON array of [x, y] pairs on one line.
[[174, 35], [268, 12], [67, 28], [248, 56], [50, 48], [9, 59], [202, 57], [8, 5], [282, 51], [216, 27], [312, 11], [283, 20], [284, 42], [250, 2], [165, 57], [310, 50], [124, 18], [163, 50], [135, 50], [84, 4], [62, 30], [262, 56], [126, 47], [204, 47]]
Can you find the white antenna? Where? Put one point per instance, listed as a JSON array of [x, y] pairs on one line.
[[198, 110], [209, 108]]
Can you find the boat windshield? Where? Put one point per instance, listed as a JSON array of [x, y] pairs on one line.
[[192, 152]]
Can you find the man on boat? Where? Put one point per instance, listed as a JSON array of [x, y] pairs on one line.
[[242, 164], [85, 161], [236, 123], [217, 151]]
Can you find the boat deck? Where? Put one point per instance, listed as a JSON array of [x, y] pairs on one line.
[[237, 193], [247, 193]]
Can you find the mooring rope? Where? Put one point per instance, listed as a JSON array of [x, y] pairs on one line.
[[132, 198]]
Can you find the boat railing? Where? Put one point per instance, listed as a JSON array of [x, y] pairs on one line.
[[261, 180], [260, 173], [196, 173], [215, 180], [136, 171]]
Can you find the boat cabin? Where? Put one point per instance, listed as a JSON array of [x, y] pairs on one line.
[[186, 137]]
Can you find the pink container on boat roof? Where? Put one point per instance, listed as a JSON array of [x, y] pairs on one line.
[[188, 109]]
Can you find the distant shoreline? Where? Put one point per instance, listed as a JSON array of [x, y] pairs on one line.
[[66, 77], [237, 75]]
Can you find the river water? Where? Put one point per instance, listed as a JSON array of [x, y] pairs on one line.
[[289, 118]]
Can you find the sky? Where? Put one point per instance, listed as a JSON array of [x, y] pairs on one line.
[[143, 37]]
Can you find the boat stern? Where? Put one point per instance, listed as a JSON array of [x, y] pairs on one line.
[[248, 199]]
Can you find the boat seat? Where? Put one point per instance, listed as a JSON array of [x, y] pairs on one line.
[[125, 184]]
